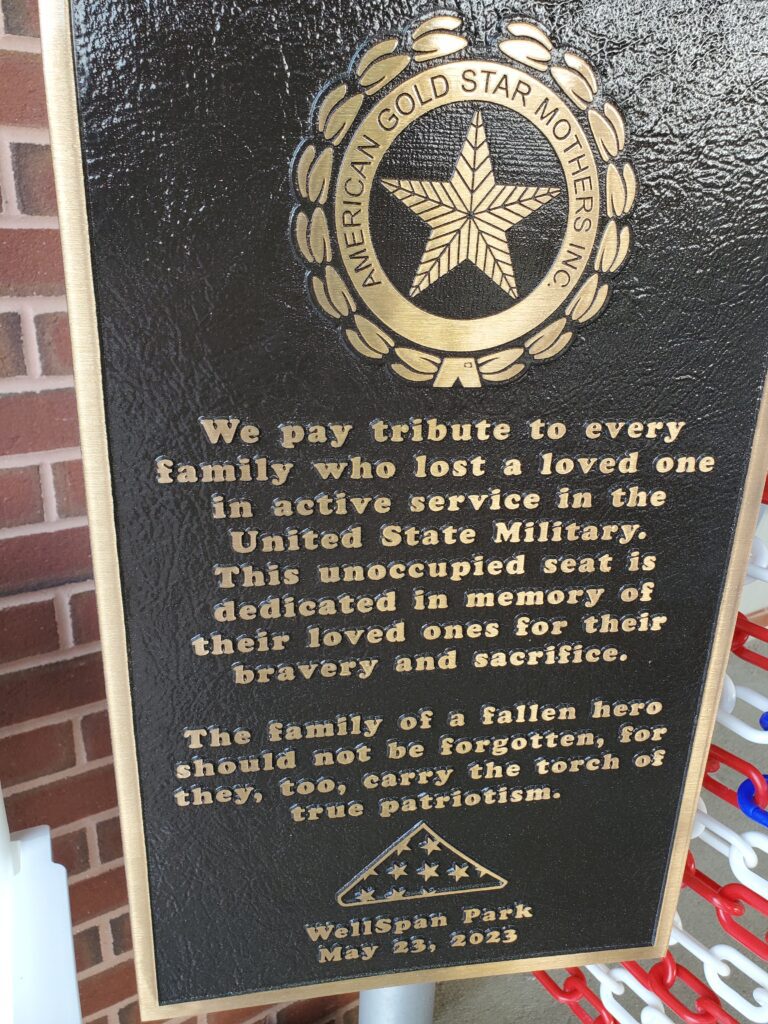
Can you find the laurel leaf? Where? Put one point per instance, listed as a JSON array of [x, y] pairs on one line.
[[561, 342], [630, 183], [340, 121], [321, 295], [358, 343], [373, 53], [589, 300], [329, 104], [615, 192], [502, 375], [527, 30], [319, 237], [374, 337], [547, 336], [605, 136], [303, 165], [338, 293], [383, 71], [500, 361], [419, 361], [614, 248], [583, 298], [319, 177], [625, 237], [608, 248], [437, 44], [617, 123], [301, 233], [439, 23], [584, 68], [574, 86], [408, 374], [526, 51]]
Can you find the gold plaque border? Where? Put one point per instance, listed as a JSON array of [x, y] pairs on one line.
[[399, 313], [70, 190]]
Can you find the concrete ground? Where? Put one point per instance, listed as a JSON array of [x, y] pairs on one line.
[[519, 999]]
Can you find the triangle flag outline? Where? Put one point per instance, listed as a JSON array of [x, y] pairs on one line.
[[490, 880]]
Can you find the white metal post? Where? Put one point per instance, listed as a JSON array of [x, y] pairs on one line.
[[401, 1004]]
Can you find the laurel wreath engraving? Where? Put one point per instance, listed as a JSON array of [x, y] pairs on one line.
[[436, 38]]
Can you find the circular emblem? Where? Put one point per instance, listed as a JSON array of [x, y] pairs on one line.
[[460, 209]]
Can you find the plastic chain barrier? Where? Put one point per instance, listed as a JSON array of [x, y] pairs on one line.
[[741, 848], [573, 992], [747, 630], [663, 987], [758, 785], [730, 902], [726, 715], [666, 975]]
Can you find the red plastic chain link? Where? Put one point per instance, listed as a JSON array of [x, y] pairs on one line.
[[719, 757], [661, 979], [574, 990], [730, 901], [746, 630]]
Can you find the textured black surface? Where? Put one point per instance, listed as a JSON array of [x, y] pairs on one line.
[[191, 111]]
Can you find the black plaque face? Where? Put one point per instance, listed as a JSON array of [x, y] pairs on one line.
[[420, 358]]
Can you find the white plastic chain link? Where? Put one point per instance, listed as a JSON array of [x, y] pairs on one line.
[[613, 983], [741, 848], [725, 716]]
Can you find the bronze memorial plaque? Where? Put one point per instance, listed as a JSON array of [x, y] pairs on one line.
[[420, 357]]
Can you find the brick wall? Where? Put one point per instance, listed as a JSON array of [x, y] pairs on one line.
[[55, 757]]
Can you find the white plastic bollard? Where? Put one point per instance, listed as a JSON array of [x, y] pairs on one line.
[[401, 1004]]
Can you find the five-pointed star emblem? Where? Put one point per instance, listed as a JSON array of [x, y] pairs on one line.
[[427, 871], [469, 215], [397, 870], [458, 871]]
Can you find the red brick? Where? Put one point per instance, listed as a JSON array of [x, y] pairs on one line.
[[12, 362], [33, 174], [22, 93], [310, 1010], [67, 800], [110, 840], [96, 736], [45, 560], [38, 421], [71, 850], [27, 629], [91, 897], [237, 1016], [129, 1014], [54, 343], [87, 949], [36, 752], [121, 934], [85, 620], [70, 488], [30, 260], [107, 988], [21, 500], [48, 689], [21, 17]]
